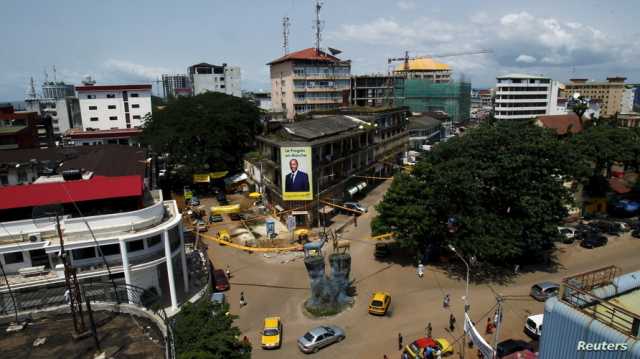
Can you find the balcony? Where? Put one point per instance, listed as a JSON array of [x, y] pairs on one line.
[[320, 89], [316, 100], [321, 76]]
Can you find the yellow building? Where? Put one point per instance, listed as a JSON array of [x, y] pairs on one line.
[[427, 69], [608, 93]]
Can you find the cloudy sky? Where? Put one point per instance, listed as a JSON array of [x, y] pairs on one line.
[[121, 41]]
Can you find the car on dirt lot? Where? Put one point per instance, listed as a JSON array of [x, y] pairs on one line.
[[379, 303], [533, 326], [215, 218], [319, 337], [271, 335], [593, 241], [220, 280], [568, 234], [544, 290]]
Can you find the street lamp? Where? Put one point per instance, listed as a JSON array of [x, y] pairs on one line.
[[466, 293]]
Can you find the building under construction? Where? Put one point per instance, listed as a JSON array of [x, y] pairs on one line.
[[419, 95]]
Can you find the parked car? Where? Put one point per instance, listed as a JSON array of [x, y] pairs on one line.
[[382, 250], [533, 326], [356, 207], [568, 234], [379, 304], [194, 201], [235, 216], [320, 337], [593, 241], [510, 346], [271, 335], [220, 280], [215, 218], [544, 290], [635, 233]]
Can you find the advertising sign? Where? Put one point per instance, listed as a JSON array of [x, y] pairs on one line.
[[295, 167]]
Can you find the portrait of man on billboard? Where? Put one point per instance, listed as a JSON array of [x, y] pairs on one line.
[[296, 181]]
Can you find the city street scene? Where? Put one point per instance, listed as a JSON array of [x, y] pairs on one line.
[[419, 181]]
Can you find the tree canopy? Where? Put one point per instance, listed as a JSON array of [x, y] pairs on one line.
[[502, 183], [207, 132], [203, 331]]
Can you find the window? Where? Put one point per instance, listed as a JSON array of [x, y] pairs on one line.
[[113, 118], [91, 96], [110, 95], [135, 246], [94, 119], [111, 107], [153, 241], [135, 105], [134, 95], [12, 258], [84, 253], [22, 176], [54, 113], [136, 117], [4, 180], [110, 249], [93, 108]]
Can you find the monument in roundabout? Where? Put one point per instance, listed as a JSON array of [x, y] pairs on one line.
[[329, 291]]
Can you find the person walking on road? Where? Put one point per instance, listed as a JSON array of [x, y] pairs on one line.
[[445, 301], [489, 328], [399, 341], [428, 330], [452, 322], [385, 357], [228, 272], [420, 269], [242, 301]]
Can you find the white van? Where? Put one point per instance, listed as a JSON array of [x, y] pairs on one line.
[[533, 326]]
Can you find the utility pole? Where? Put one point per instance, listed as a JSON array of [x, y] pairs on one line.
[[498, 323], [285, 34], [71, 283]]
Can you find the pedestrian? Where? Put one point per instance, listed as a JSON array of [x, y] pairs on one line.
[[242, 301], [428, 330], [495, 318], [428, 353], [385, 357], [489, 328], [438, 354], [445, 301], [516, 269], [452, 322], [420, 269], [67, 296], [399, 341], [228, 272], [355, 220]]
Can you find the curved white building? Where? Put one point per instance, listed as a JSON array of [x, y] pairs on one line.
[[522, 96], [144, 247]]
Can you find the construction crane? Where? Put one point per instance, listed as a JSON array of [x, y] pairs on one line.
[[406, 57]]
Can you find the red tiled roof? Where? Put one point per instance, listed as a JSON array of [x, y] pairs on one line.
[[113, 87], [96, 188], [123, 132], [561, 123], [306, 54]]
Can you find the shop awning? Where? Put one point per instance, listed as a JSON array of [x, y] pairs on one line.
[[300, 213], [254, 195], [231, 208], [236, 178]]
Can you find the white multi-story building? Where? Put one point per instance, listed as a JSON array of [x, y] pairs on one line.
[[109, 107], [521, 96], [628, 96], [140, 237], [212, 78], [175, 85], [64, 112]]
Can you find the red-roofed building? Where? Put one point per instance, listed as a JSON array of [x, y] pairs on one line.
[[562, 124], [308, 80]]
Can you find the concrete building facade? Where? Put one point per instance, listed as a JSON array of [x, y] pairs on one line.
[[373, 90], [206, 77], [175, 85], [108, 107], [628, 98], [609, 93], [523, 96], [308, 80], [64, 112]]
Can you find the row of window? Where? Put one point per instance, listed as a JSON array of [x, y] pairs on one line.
[[523, 81], [114, 249], [110, 95], [519, 104], [114, 118], [112, 107], [535, 88], [519, 97], [518, 113]]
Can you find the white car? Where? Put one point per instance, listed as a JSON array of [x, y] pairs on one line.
[[568, 232], [533, 326]]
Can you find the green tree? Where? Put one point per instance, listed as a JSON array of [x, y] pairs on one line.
[[208, 132], [503, 184], [204, 331], [601, 146]]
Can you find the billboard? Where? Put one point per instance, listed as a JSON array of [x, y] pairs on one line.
[[296, 170]]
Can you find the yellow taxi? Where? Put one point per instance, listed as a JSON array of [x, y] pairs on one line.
[[445, 347], [224, 236], [272, 333], [379, 303]]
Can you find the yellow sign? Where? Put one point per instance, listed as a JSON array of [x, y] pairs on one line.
[[254, 195], [219, 174], [296, 170], [231, 208], [201, 178]]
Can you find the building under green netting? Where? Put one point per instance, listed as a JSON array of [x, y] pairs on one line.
[[419, 95]]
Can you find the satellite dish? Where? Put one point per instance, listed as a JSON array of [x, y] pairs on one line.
[[334, 51]]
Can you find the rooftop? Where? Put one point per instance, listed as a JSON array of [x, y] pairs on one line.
[[423, 65], [122, 132], [113, 87], [562, 124], [320, 127], [11, 130], [310, 54], [522, 76], [423, 121]]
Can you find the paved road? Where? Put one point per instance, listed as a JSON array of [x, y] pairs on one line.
[[273, 288]]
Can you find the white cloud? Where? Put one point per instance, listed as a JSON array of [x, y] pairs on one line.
[[480, 18], [385, 31], [526, 59], [135, 71], [406, 5]]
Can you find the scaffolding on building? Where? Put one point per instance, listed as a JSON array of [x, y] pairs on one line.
[[419, 95]]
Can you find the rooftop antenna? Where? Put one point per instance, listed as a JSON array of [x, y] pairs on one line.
[[318, 26], [32, 89], [54, 73], [46, 76], [285, 34]]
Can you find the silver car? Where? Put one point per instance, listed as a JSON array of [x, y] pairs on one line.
[[320, 337], [545, 290]]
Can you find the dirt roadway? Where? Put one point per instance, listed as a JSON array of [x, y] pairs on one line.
[[281, 288]]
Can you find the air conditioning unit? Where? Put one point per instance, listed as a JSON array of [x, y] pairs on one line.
[[34, 237]]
